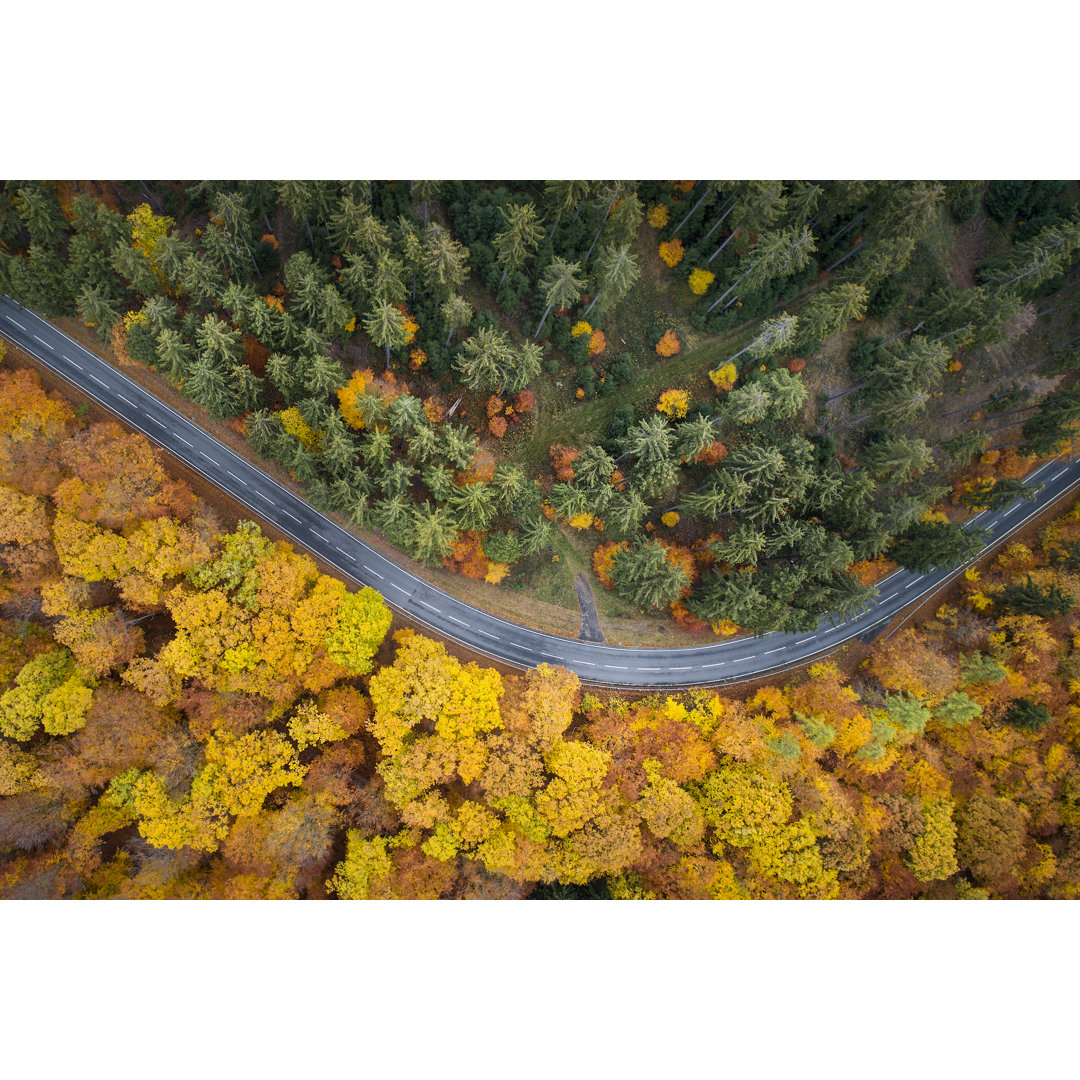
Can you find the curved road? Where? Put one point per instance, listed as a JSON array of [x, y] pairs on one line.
[[708, 664]]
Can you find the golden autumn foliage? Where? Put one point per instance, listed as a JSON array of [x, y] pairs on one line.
[[297, 427], [597, 342], [700, 280], [657, 216], [674, 403], [672, 252], [723, 378], [242, 743], [580, 328]]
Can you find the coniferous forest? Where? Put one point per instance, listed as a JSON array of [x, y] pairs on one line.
[[733, 406]]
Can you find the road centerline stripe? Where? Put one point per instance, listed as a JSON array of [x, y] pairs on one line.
[[213, 462], [235, 477]]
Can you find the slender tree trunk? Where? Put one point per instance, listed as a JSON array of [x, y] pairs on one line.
[[845, 393], [449, 336], [453, 409], [725, 214], [266, 222], [909, 330], [734, 233], [850, 423], [311, 239], [691, 213], [540, 326], [506, 270], [856, 248], [593, 304], [581, 203], [730, 290], [585, 262], [152, 196], [850, 225], [388, 356]]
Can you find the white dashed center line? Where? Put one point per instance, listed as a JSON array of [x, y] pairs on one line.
[[769, 653], [430, 607], [351, 558], [375, 573], [1010, 510], [265, 498], [45, 343], [486, 634], [679, 669], [183, 440], [891, 596], [648, 669], [72, 362], [155, 420], [719, 663], [460, 622], [293, 516], [97, 380], [805, 640], [616, 667], [211, 460], [128, 400], [235, 477], [18, 324], [585, 663], [552, 656], [394, 585]]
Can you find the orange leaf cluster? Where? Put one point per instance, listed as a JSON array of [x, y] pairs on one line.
[[795, 365], [602, 560], [497, 426], [713, 454], [494, 405], [668, 345], [524, 402], [411, 325], [417, 358], [597, 343], [684, 618], [433, 409], [467, 557], [562, 460], [271, 239]]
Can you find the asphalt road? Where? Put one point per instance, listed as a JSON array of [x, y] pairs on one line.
[[707, 664]]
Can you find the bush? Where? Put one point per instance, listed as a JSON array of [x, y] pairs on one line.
[[140, 344], [862, 357], [621, 372], [502, 547], [964, 202]]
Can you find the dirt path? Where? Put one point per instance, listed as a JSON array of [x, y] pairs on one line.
[[590, 620]]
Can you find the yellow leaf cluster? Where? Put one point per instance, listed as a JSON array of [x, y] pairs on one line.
[[580, 328], [658, 216], [700, 280], [674, 403], [295, 425]]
